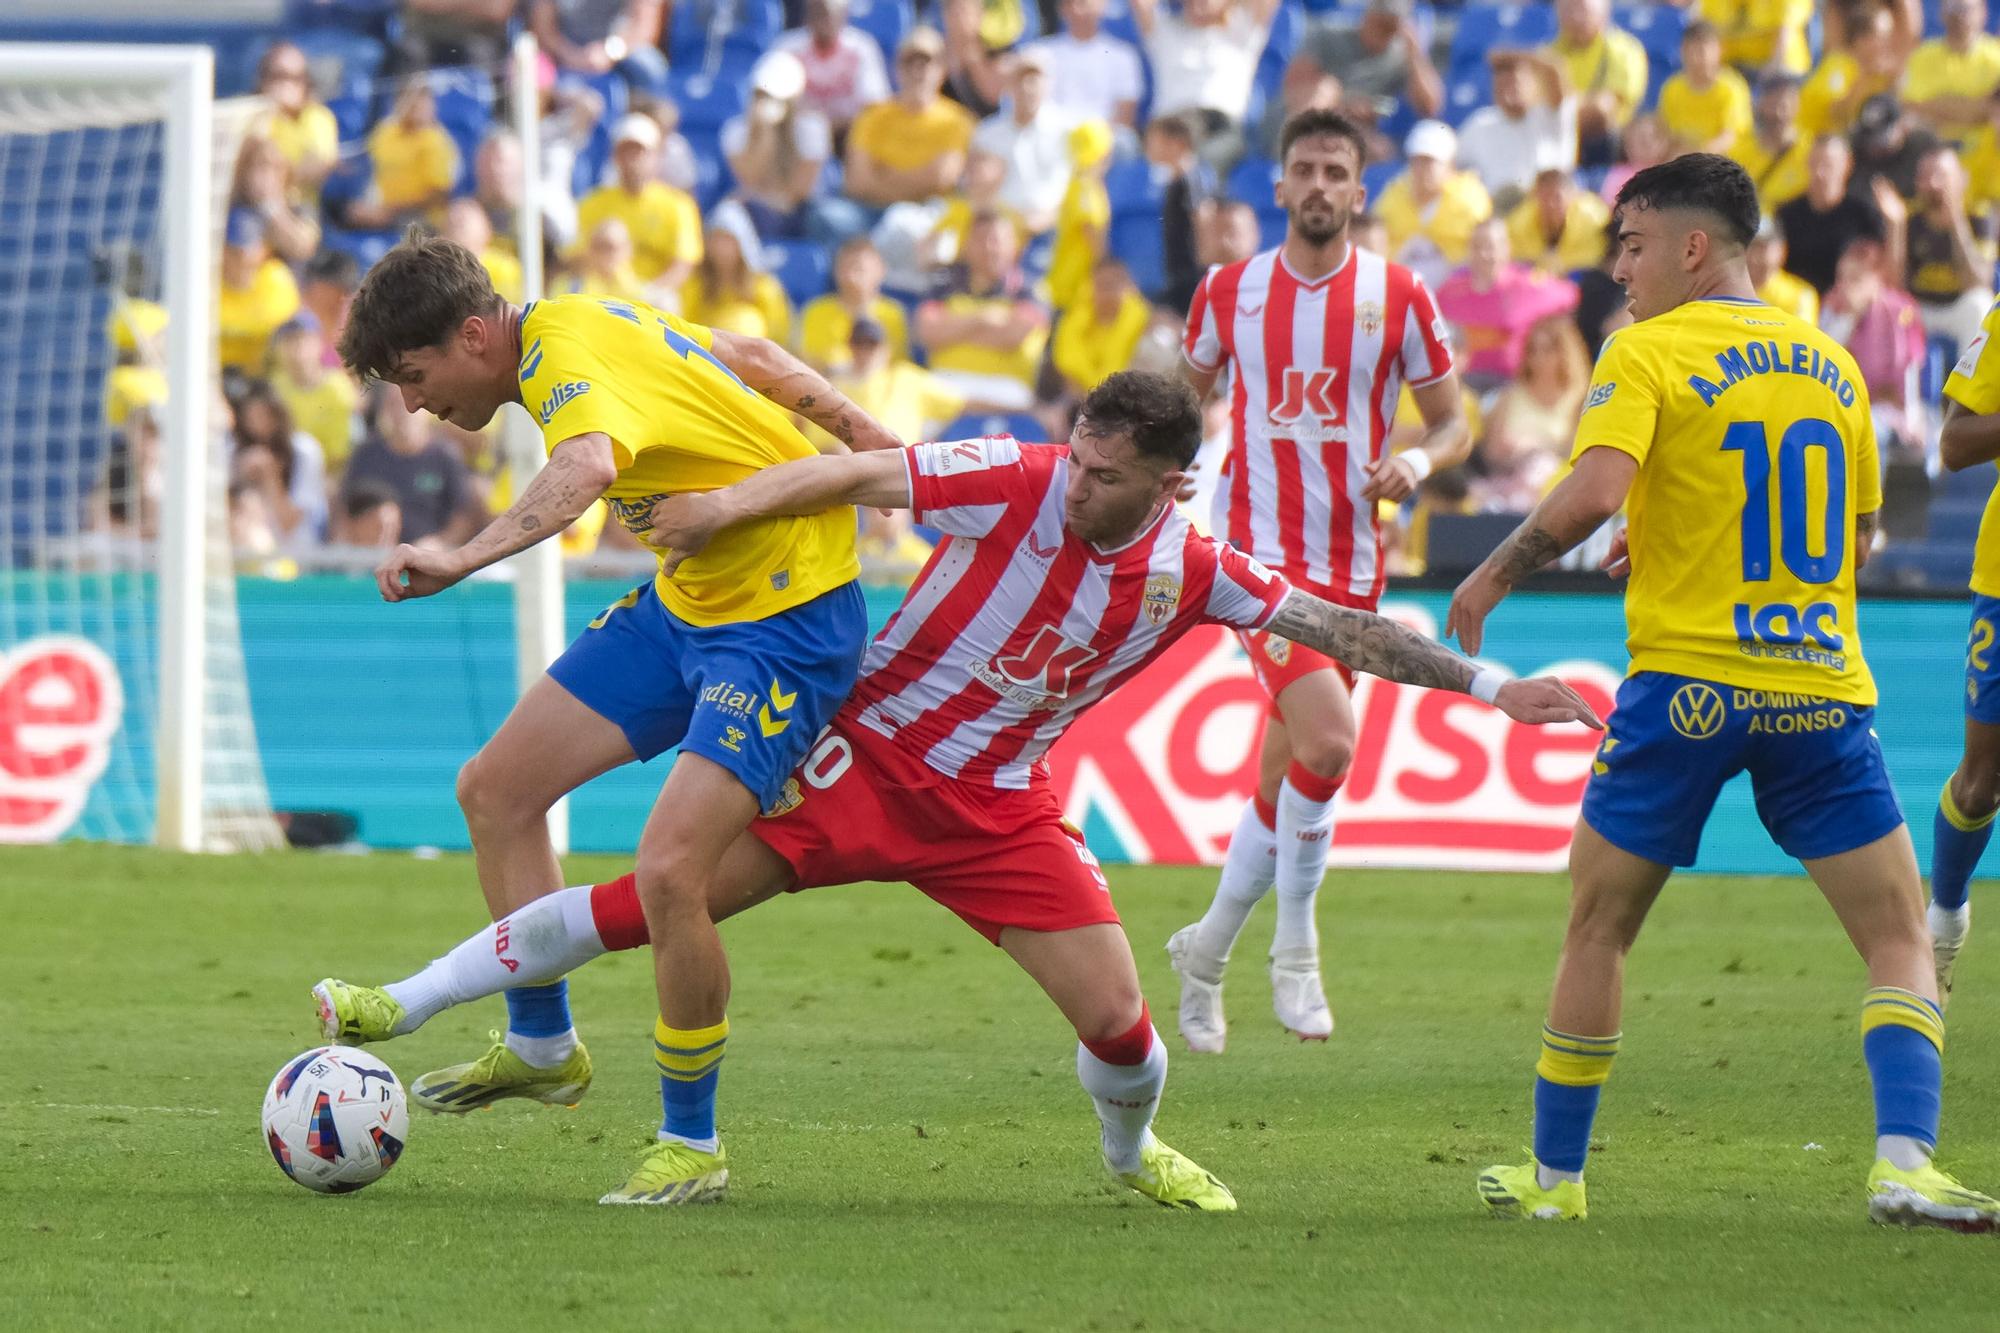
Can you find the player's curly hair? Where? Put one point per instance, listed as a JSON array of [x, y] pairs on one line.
[[1317, 121], [1707, 182], [1159, 412], [415, 297]]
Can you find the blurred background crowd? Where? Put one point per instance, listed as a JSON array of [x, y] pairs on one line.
[[970, 215]]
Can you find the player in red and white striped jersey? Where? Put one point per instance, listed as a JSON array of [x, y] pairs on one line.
[[1064, 570], [1318, 338]]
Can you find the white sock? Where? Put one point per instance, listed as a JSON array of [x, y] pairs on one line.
[[1547, 1176], [1126, 1097], [1305, 828], [544, 940], [1246, 877], [709, 1144], [1949, 924], [1904, 1153]]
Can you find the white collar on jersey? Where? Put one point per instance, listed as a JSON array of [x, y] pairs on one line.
[[1324, 278]]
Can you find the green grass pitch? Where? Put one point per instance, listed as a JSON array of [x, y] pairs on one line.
[[908, 1144]]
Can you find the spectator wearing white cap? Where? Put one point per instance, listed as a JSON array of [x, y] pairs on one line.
[[593, 37], [777, 147], [1530, 126], [1092, 74], [664, 223], [1431, 208], [1032, 137], [844, 67]]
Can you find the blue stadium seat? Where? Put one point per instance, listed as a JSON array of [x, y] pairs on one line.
[[1466, 93], [1955, 520], [1135, 238], [1658, 28], [884, 20], [1017, 424], [1974, 483], [1483, 27], [1377, 175], [1251, 181], [1118, 22], [801, 266], [707, 101], [704, 31], [365, 16], [1131, 186]]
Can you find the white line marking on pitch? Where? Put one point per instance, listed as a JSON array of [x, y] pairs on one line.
[[106, 1106]]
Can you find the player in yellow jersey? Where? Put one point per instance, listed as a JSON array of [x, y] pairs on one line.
[[1738, 439], [1963, 823], [738, 658]]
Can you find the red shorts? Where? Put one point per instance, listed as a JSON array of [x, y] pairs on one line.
[[1278, 662], [861, 808]]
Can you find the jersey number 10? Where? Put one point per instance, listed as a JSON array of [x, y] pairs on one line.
[[1752, 440]]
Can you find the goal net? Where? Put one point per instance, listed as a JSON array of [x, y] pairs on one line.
[[123, 710]]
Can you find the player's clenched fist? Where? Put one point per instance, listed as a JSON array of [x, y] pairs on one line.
[[683, 525], [1544, 699], [415, 571]]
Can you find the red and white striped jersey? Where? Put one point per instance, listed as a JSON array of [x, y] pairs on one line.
[[1016, 625], [1318, 367]]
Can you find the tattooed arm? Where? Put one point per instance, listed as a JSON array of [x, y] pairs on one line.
[[1382, 647], [797, 387], [1594, 490], [580, 470]]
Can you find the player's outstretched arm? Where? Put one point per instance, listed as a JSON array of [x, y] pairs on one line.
[[580, 470], [797, 387], [1382, 647], [1580, 504], [1969, 438], [684, 524]]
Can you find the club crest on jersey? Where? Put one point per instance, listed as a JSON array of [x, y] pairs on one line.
[[1162, 597], [1277, 649], [1369, 316], [567, 391]]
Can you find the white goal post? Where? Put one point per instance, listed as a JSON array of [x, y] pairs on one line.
[[188, 693]]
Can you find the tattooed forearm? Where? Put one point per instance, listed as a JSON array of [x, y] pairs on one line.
[[557, 496], [530, 522], [1371, 643], [1525, 552]]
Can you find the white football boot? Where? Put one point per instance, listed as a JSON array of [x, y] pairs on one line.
[[1297, 995], [1201, 1022]]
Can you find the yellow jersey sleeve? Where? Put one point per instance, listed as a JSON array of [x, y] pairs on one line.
[[1974, 383], [1622, 409]]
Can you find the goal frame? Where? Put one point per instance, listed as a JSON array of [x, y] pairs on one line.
[[184, 77]]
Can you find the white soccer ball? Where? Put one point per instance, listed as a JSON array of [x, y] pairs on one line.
[[335, 1119]]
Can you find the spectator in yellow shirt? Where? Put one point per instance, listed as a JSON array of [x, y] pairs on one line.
[[984, 331], [912, 147], [1762, 34], [915, 404], [257, 294], [297, 121], [1429, 210], [1606, 69], [1096, 339], [465, 221], [1775, 287], [827, 321], [663, 223], [606, 266], [729, 288], [321, 399], [1707, 105], [1982, 159], [1084, 218], [978, 192], [1948, 78], [1844, 79], [1558, 228], [1773, 151]]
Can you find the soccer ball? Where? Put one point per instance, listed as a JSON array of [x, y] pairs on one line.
[[335, 1119]]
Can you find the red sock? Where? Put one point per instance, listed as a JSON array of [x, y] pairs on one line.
[[1129, 1049], [615, 910], [1310, 784], [1266, 811]]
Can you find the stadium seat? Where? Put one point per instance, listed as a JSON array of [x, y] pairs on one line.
[[363, 16], [703, 32], [884, 20], [1135, 238], [1375, 177], [1119, 23], [1131, 186], [1483, 27], [1974, 483], [802, 267], [1954, 520], [1017, 424], [1466, 93], [1940, 353], [708, 100]]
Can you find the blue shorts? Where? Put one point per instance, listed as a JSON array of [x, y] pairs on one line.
[[750, 696], [1982, 662], [1815, 767]]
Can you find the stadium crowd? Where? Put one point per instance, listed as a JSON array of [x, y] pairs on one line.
[[982, 212]]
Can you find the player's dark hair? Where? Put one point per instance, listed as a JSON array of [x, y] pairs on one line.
[[415, 297], [1317, 121], [1701, 182], [1159, 413]]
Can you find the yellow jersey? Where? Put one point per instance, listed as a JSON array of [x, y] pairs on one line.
[[1083, 224], [898, 137], [1935, 70], [1794, 296], [664, 223], [1581, 244], [825, 327], [1697, 116], [1756, 33], [1612, 62], [766, 314], [679, 420], [412, 163], [1447, 223], [1780, 177], [1974, 384], [1756, 450], [1088, 352], [246, 317]]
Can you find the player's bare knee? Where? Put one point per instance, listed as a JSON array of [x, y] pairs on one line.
[[1975, 790], [1110, 1014], [671, 885], [1325, 756], [488, 799]]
